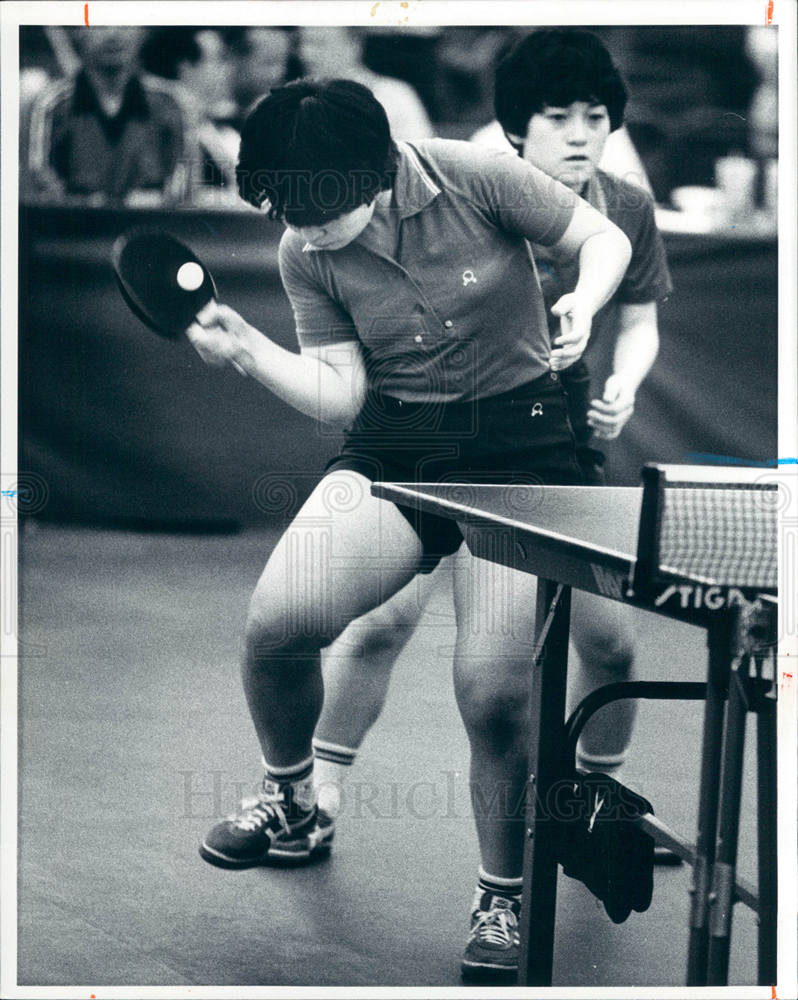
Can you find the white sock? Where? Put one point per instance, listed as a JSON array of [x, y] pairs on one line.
[[330, 771], [610, 764], [496, 885]]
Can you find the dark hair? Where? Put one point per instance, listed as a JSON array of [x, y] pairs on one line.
[[555, 67], [315, 149], [165, 48]]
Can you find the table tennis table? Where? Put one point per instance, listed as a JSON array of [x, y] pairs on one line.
[[694, 544]]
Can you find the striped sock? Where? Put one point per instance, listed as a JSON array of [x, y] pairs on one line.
[[496, 885], [333, 752], [296, 780], [605, 763], [288, 773], [329, 773]]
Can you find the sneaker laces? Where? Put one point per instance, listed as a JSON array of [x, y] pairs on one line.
[[497, 926], [261, 812]]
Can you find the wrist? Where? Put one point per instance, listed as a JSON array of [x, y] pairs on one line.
[[244, 348], [584, 303], [629, 381]]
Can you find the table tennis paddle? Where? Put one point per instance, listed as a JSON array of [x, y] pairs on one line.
[[161, 279]]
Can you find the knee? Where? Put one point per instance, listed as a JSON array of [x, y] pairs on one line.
[[494, 709], [610, 652], [382, 631], [373, 643], [275, 634]]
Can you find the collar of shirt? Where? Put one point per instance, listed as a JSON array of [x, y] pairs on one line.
[[134, 100], [412, 191], [413, 187], [594, 195]]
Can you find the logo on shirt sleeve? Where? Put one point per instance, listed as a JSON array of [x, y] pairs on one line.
[[469, 278]]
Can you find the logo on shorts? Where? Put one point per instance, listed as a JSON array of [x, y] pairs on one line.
[[469, 278], [537, 410]]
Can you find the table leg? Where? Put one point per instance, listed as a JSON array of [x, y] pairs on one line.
[[767, 839], [721, 898], [720, 641], [547, 714]]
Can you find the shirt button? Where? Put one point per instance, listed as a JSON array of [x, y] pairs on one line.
[[554, 376], [418, 338], [448, 324]]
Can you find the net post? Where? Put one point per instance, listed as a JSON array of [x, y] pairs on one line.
[[648, 537]]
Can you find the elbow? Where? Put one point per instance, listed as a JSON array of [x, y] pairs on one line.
[[625, 249], [339, 418], [654, 344], [341, 413], [609, 242]]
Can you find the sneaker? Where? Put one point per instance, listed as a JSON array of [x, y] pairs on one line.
[[270, 829], [494, 944]]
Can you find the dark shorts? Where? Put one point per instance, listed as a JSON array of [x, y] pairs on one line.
[[576, 382], [524, 436]]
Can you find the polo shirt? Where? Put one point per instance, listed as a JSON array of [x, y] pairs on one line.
[[438, 288], [647, 278], [148, 144]]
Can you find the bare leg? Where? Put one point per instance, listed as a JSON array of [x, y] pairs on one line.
[[345, 553], [603, 638], [357, 666], [495, 625]]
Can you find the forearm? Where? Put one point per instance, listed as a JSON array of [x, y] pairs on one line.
[[328, 394], [636, 350], [603, 259]]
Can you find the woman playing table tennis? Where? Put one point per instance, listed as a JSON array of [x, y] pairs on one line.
[[559, 100], [422, 331]]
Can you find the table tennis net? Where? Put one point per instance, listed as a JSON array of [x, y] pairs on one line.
[[721, 534]]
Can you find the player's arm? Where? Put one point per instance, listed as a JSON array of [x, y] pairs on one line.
[[525, 200], [326, 382], [636, 349], [604, 254]]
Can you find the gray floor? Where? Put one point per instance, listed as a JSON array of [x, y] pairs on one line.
[[134, 738]]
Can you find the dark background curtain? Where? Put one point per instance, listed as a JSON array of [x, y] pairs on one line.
[[120, 426]]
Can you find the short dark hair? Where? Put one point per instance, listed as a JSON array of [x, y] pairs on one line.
[[166, 48], [315, 149], [555, 67]]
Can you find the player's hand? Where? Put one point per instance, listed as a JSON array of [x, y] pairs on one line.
[[219, 335], [575, 323], [608, 415]]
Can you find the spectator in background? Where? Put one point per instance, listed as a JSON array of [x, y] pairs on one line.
[[199, 60], [466, 57], [111, 133], [692, 87], [264, 58], [337, 51], [46, 54], [762, 47]]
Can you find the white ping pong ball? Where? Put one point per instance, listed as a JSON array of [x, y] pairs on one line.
[[190, 276]]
